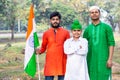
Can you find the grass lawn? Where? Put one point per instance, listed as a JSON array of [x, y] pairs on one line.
[[12, 60]]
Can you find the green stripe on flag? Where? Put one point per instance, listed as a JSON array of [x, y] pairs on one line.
[[36, 40], [31, 66]]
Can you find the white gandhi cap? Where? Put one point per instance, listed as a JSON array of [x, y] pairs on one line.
[[94, 7]]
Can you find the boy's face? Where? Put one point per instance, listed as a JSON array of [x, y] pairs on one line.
[[55, 22], [76, 33]]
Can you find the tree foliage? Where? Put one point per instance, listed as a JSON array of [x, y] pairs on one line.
[[13, 10]]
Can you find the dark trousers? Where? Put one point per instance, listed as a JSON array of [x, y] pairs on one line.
[[52, 77]]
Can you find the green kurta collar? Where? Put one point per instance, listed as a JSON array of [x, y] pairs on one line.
[[97, 24]]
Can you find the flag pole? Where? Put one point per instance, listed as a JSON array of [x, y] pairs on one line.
[[38, 66]]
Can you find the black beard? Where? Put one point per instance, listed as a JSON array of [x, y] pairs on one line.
[[95, 19], [55, 26]]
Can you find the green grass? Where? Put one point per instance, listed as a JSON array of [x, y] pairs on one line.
[[12, 61]]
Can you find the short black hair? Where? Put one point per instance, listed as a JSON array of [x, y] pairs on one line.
[[53, 14]]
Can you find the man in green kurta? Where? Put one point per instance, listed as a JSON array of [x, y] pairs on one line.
[[101, 47]]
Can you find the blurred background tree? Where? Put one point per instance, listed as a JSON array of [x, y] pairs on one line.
[[14, 14]]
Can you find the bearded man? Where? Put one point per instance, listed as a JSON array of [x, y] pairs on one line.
[[52, 42]]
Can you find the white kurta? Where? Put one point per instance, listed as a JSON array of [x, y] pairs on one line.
[[76, 67]]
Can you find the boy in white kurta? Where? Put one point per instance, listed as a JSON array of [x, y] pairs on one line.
[[76, 49]]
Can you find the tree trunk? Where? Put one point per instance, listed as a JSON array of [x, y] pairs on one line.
[[12, 32], [18, 25], [12, 27]]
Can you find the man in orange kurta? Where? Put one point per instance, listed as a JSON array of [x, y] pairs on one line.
[[52, 42]]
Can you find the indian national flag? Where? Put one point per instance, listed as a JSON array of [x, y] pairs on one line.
[[31, 43]]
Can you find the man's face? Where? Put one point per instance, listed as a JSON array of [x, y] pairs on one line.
[[76, 33], [55, 22], [95, 14]]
